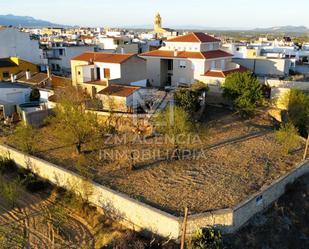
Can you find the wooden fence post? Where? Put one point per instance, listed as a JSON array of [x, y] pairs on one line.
[[184, 229], [306, 148]]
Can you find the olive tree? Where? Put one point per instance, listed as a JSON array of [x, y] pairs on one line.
[[73, 124]]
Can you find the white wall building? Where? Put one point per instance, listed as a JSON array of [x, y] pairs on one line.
[[184, 59], [59, 57], [18, 44]]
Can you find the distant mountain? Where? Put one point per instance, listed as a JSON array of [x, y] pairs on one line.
[[25, 21], [295, 29]]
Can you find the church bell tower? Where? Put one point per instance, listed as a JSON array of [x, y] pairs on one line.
[[157, 23]]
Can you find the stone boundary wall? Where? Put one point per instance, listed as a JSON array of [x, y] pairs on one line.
[[143, 216], [230, 220], [138, 214]]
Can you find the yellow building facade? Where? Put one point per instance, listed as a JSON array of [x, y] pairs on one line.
[[15, 65]]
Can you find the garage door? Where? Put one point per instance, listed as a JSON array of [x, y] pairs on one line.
[[16, 98]]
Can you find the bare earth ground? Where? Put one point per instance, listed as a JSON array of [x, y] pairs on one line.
[[283, 226], [233, 159]]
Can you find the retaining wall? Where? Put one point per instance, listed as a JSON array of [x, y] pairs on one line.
[[137, 213], [146, 217]]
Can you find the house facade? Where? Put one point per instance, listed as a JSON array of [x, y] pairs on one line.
[[14, 43], [185, 59], [95, 71]]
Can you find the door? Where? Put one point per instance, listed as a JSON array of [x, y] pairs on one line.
[[92, 74], [98, 73], [107, 73]]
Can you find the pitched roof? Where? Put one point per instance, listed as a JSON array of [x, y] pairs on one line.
[[7, 62], [224, 74], [36, 78], [197, 37], [119, 90], [103, 57], [185, 54]]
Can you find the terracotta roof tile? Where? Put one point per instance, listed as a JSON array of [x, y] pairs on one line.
[[103, 57], [224, 74], [197, 37], [119, 90], [36, 78], [185, 54]]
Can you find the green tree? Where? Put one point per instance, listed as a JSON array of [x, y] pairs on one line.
[[288, 137], [10, 190], [73, 124], [244, 90], [298, 109], [25, 137], [35, 94], [175, 123], [189, 98]]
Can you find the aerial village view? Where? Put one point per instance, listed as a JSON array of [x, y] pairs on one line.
[[154, 124]]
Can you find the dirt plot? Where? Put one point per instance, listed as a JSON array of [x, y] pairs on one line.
[[40, 221], [282, 226], [230, 159]]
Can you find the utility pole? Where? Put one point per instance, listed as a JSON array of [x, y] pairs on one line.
[[184, 229], [306, 148]]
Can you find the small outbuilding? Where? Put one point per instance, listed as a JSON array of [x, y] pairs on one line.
[[120, 98]]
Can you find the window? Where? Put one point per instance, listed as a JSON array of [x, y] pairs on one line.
[[182, 64], [78, 73], [6, 74], [60, 52], [58, 67], [170, 65], [107, 73]]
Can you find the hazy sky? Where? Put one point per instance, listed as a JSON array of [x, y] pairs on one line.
[[214, 13]]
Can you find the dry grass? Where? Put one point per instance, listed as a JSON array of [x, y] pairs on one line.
[[233, 159]]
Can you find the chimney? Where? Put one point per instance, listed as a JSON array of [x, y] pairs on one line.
[[13, 78], [28, 75], [175, 53]]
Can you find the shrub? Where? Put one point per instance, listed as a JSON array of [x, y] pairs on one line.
[[298, 110], [10, 191], [188, 98], [288, 137], [244, 90], [31, 182], [7, 165], [35, 95], [25, 137], [206, 238]]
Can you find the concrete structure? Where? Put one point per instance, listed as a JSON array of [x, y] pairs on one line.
[[141, 215], [14, 93], [94, 71], [59, 57], [119, 98], [184, 59], [14, 43], [266, 66]]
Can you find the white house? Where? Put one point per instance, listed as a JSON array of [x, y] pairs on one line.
[[184, 59], [14, 43], [95, 71], [59, 57]]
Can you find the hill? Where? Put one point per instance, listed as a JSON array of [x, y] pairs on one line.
[[25, 21]]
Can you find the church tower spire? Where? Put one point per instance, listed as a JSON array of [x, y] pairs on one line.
[[157, 22]]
